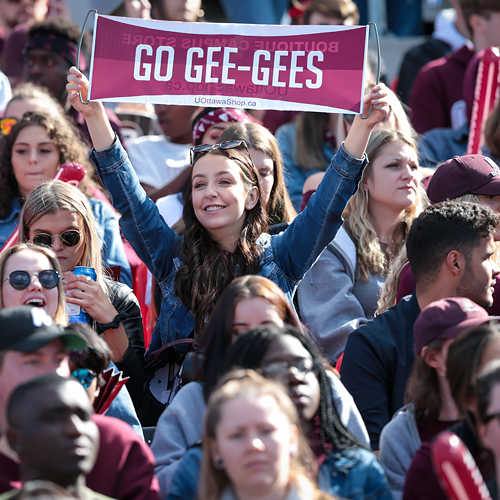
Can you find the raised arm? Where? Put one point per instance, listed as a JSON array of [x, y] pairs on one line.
[[100, 130], [296, 249], [140, 221]]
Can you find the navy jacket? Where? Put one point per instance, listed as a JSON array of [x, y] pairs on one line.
[[378, 360]]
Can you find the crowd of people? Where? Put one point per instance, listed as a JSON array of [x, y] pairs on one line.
[[228, 304]]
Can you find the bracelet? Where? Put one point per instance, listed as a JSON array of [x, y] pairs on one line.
[[113, 325]]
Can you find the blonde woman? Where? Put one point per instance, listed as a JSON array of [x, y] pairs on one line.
[[252, 444], [59, 216], [340, 292]]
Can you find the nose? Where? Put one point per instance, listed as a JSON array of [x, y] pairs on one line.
[[57, 245], [34, 283], [257, 444], [210, 191], [496, 270], [408, 172], [33, 156]]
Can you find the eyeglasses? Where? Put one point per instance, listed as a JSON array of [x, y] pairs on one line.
[[69, 238], [84, 376], [197, 151], [6, 125], [280, 370], [20, 280]]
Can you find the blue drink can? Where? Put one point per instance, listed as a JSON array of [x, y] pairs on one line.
[[76, 313]]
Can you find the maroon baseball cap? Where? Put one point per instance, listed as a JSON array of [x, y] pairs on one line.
[[446, 319], [475, 174]]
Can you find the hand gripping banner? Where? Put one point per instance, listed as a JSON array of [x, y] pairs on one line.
[[311, 68]]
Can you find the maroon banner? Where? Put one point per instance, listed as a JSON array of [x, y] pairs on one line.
[[314, 68]]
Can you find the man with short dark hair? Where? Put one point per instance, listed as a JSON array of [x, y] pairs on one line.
[[31, 345], [51, 429], [450, 248]]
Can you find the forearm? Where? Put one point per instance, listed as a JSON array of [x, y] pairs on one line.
[[118, 342], [100, 130], [358, 137]]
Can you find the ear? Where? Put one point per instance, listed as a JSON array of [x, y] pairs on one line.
[[294, 437], [455, 263], [430, 358], [252, 198], [214, 450], [13, 439], [477, 23]]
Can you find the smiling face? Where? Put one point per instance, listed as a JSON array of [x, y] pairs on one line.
[[35, 158], [220, 198], [393, 179], [303, 387], [480, 274], [56, 224], [34, 294], [254, 440]]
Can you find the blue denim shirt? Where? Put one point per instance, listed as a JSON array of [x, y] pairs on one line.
[[285, 257], [359, 477]]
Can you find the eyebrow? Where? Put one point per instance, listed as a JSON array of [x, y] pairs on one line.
[[39, 144], [222, 172]]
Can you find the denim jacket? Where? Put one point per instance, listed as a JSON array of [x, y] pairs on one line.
[[358, 477], [285, 257]]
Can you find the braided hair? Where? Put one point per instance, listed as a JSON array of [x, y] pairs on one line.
[[248, 352]]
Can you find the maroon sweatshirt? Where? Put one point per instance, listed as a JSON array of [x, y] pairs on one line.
[[124, 469]]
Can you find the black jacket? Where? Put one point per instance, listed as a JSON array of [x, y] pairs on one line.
[[132, 363], [378, 360]]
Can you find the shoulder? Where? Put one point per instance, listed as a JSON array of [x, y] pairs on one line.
[[286, 131], [115, 430]]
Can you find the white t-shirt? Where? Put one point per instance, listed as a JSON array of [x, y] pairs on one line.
[[156, 160]]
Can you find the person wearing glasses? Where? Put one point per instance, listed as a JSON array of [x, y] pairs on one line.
[[224, 216], [32, 151], [57, 215], [30, 275], [344, 464]]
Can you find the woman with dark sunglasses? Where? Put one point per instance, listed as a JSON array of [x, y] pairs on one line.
[[59, 216], [30, 275], [224, 216], [32, 150]]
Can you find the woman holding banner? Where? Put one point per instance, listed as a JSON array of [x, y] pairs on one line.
[[224, 216]]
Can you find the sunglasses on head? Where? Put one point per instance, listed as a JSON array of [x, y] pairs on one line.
[[20, 280], [69, 238], [84, 376], [197, 151], [6, 125]]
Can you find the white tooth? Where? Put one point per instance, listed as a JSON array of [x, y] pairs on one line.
[[212, 208]]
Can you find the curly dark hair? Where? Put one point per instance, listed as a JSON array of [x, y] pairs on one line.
[[249, 350], [445, 227], [71, 149], [206, 271]]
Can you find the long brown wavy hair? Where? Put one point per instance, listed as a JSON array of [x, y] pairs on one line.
[[279, 206], [206, 270], [68, 144], [423, 386]]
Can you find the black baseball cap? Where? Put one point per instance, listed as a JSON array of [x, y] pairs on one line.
[[27, 328]]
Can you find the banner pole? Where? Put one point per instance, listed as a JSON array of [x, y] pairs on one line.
[[79, 49], [378, 66]]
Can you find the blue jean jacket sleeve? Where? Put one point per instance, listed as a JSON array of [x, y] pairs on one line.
[[296, 249], [140, 220]]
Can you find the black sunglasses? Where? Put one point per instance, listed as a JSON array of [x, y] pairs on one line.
[[20, 280], [197, 151], [69, 238]]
